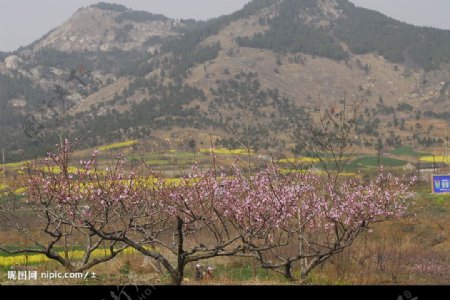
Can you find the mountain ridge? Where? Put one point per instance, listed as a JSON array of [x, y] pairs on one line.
[[273, 63]]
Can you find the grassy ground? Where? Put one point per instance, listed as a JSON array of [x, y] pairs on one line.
[[407, 151]]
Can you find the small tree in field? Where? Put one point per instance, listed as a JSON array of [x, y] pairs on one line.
[[325, 219], [331, 137], [56, 198], [174, 223]]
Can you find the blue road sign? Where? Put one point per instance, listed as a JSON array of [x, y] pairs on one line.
[[441, 184]]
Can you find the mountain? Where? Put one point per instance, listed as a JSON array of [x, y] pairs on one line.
[[104, 27], [260, 73]]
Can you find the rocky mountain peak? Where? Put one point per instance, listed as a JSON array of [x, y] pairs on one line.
[[116, 27]]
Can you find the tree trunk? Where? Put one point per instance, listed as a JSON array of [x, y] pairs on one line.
[[311, 266], [301, 247], [304, 275], [288, 271], [179, 273], [177, 279]]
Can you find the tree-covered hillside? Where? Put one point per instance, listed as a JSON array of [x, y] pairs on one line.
[[288, 33], [366, 31]]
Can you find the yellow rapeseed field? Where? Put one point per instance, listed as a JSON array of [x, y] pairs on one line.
[[8, 261], [437, 158], [298, 160], [316, 172], [14, 166], [118, 145], [225, 151]]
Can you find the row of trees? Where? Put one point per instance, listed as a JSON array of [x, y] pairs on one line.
[[285, 221], [139, 17], [110, 6]]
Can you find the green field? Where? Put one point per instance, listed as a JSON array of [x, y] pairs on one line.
[[372, 161], [407, 151]]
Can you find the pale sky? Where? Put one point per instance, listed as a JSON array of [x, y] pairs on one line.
[[24, 21]]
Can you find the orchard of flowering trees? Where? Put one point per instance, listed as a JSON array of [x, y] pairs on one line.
[[291, 223]]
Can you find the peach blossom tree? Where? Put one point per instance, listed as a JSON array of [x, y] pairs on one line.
[[278, 218]]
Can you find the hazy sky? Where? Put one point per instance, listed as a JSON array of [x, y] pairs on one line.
[[24, 21]]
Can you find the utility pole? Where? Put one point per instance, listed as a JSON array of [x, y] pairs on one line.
[[379, 153], [434, 163], [434, 159], [446, 148], [4, 170]]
